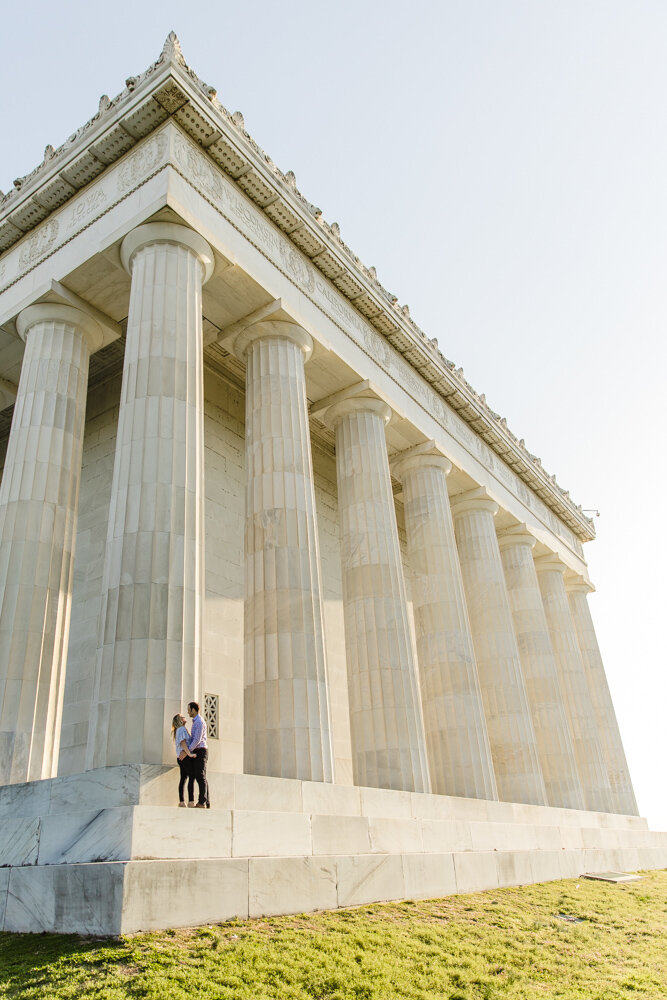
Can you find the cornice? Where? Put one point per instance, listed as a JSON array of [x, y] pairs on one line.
[[170, 89]]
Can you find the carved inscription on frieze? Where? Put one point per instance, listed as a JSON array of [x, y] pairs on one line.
[[87, 207], [39, 244]]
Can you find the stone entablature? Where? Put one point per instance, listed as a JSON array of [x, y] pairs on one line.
[[169, 90], [23, 276]]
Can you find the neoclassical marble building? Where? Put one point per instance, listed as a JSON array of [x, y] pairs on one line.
[[236, 470]]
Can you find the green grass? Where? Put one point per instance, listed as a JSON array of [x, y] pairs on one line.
[[506, 943]]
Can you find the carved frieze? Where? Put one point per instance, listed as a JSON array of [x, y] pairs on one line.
[[39, 244], [143, 162]]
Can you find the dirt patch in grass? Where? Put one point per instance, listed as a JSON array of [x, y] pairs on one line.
[[510, 943]]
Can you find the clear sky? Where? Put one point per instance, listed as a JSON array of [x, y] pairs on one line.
[[503, 164]]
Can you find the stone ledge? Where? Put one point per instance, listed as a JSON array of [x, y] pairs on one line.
[[109, 898], [155, 785]]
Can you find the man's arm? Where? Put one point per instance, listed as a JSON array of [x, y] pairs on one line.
[[196, 734]]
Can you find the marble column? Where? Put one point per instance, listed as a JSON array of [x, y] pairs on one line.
[[538, 664], [387, 727], [573, 685], [613, 754], [287, 721], [38, 513], [457, 742], [149, 651], [508, 719]]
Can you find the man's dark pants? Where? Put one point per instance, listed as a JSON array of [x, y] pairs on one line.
[[199, 771]]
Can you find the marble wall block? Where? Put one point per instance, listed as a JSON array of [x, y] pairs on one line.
[[387, 728], [65, 899], [165, 832], [269, 834], [207, 892], [86, 835], [340, 835], [623, 796], [20, 840], [554, 740], [149, 649], [428, 876], [370, 879], [38, 516], [574, 685], [459, 753], [287, 720], [510, 726], [475, 870], [514, 868], [291, 885]]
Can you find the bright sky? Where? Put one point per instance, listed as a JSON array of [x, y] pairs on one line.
[[503, 164]]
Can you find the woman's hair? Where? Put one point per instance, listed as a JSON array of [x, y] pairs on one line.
[[177, 721]]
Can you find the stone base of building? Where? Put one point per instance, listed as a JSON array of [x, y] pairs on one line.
[[109, 852]]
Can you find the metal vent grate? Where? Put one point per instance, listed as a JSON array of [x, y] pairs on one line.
[[211, 715]]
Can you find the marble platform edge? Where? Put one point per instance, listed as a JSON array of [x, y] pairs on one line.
[[154, 832], [112, 898], [147, 784]]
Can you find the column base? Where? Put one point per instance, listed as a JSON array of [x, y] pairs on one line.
[[107, 852]]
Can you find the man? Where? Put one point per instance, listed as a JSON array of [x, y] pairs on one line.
[[198, 746]]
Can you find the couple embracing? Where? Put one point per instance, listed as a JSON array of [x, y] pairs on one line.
[[192, 756]]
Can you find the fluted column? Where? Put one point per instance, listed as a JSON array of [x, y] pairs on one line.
[[613, 754], [457, 742], [287, 723], [38, 513], [387, 728], [508, 719], [573, 685], [149, 651], [538, 664]]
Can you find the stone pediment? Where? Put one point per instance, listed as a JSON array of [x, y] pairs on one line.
[[170, 90]]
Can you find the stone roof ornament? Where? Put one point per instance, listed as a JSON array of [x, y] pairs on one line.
[[172, 51]]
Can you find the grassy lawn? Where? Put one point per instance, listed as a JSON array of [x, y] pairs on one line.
[[506, 943]]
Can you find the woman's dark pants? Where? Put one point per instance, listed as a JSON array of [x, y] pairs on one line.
[[187, 774]]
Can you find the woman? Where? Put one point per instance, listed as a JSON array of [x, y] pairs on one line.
[[180, 737]]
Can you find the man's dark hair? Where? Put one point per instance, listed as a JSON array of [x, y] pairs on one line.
[[194, 704]]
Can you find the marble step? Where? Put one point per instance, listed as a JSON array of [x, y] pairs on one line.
[[125, 897]]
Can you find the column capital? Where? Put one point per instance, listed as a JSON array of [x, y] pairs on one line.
[[550, 563], [477, 499], [574, 583], [53, 312], [517, 535], [167, 232], [423, 456], [273, 330], [360, 398]]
